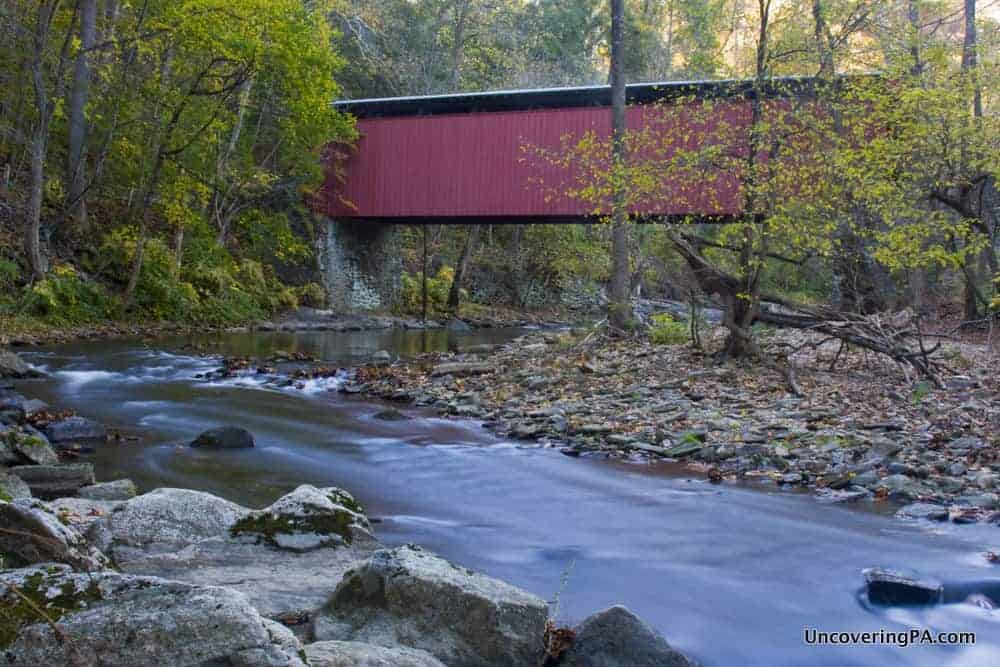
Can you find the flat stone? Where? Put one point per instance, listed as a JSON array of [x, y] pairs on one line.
[[119, 489], [75, 428], [55, 481], [901, 588], [461, 369]]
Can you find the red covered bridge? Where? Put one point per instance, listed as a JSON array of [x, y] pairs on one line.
[[461, 158]]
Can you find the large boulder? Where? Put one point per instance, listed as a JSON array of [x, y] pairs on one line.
[[198, 538], [224, 437], [106, 618], [33, 533], [410, 597], [56, 481], [166, 520], [75, 429], [616, 637], [307, 518], [357, 654], [13, 366]]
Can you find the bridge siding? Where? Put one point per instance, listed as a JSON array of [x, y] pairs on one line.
[[472, 165]]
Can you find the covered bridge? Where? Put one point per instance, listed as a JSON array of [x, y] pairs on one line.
[[462, 159]]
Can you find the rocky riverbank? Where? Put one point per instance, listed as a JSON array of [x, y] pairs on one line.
[[91, 573], [860, 433]]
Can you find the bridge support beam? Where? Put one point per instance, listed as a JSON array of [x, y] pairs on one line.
[[360, 265]]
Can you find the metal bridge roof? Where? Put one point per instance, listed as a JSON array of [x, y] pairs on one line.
[[562, 98]]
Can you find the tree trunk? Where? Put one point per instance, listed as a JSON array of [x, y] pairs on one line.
[[970, 57], [76, 156], [39, 141], [471, 239], [826, 64], [459, 44], [620, 314], [423, 276]]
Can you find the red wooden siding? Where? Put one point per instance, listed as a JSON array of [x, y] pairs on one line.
[[474, 166]]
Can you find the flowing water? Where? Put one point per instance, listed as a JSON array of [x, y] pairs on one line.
[[730, 574]]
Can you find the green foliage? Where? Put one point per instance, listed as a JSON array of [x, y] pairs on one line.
[[411, 293], [66, 298], [312, 295], [10, 275], [666, 330]]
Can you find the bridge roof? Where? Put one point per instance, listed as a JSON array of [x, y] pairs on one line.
[[564, 98]]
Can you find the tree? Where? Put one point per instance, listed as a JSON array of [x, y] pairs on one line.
[[620, 314]]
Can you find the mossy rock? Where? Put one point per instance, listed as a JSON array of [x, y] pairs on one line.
[[305, 519], [41, 596]]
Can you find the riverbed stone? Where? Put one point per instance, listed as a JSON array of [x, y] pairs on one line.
[[119, 489], [353, 654], [408, 596], [928, 511], [616, 637], [55, 481], [75, 429], [224, 437], [900, 587], [12, 486], [109, 618], [35, 534], [391, 415], [28, 447], [307, 518], [13, 366]]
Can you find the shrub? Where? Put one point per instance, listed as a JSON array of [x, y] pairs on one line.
[[312, 295], [411, 297], [666, 330], [66, 297]]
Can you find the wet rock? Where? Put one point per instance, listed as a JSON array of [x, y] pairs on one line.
[[55, 481], [928, 511], [408, 596], [107, 618], [352, 654], [13, 366], [307, 518], [119, 489], [35, 534], [12, 486], [986, 501], [224, 437], [381, 356], [391, 415], [456, 324], [616, 637], [75, 429], [900, 588], [791, 478]]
